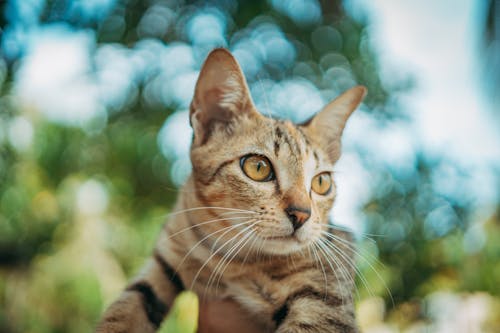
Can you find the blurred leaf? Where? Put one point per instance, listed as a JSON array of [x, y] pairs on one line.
[[183, 317]]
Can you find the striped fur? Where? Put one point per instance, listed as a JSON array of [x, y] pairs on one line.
[[230, 238]]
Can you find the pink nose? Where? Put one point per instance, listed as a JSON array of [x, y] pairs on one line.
[[298, 216]]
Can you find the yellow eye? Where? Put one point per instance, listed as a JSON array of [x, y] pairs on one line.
[[257, 167], [322, 183]]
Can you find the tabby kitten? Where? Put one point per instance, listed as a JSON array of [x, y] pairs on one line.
[[251, 223]]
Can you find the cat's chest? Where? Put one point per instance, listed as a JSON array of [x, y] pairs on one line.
[[264, 289]]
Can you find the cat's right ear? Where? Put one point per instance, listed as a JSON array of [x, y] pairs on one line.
[[326, 127], [221, 96]]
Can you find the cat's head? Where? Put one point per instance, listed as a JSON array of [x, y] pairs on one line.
[[275, 177]]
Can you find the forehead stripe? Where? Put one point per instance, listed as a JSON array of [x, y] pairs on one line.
[[303, 136], [292, 143], [279, 132]]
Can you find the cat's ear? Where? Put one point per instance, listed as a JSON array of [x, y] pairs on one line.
[[326, 127], [221, 95]]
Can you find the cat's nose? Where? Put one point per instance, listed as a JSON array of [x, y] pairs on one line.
[[298, 216]]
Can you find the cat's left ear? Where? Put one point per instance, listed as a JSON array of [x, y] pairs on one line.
[[221, 96], [326, 127]]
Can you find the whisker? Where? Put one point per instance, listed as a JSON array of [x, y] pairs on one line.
[[340, 265], [316, 255], [363, 234], [225, 229], [178, 189], [215, 243], [217, 251], [260, 253], [207, 222], [347, 259], [255, 238], [338, 261], [222, 265], [347, 243], [192, 209], [293, 261], [350, 247], [329, 259], [223, 257], [234, 213]]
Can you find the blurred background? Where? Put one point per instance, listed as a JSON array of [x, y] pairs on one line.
[[94, 141]]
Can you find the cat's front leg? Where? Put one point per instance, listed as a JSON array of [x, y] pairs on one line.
[[143, 305], [310, 311]]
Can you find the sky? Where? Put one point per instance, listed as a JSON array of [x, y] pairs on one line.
[[442, 48]]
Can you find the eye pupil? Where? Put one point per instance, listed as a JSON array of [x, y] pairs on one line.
[[320, 180], [259, 165]]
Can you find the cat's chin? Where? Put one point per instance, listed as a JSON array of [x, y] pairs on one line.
[[284, 245]]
